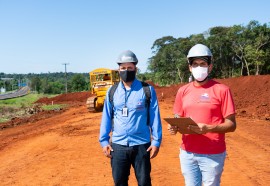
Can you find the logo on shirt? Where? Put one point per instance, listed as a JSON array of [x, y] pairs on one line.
[[140, 104], [204, 98]]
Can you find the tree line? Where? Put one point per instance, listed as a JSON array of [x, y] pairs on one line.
[[47, 83], [238, 50]]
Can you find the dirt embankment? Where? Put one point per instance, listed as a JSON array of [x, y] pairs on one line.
[[61, 148], [251, 95]]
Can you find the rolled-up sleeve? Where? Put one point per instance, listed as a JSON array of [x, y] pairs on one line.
[[155, 121]]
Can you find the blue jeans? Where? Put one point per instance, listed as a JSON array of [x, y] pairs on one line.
[[202, 168], [122, 159]]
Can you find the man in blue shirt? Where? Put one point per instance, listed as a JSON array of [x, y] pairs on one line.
[[127, 119]]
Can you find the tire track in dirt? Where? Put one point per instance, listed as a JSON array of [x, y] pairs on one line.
[[249, 153]]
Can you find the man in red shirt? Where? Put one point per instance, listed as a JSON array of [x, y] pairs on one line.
[[211, 106]]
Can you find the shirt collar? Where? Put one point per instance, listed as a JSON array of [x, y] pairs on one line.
[[134, 83]]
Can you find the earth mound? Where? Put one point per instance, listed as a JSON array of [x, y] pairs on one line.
[[64, 98], [250, 93]]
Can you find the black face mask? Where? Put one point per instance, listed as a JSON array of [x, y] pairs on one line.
[[127, 76]]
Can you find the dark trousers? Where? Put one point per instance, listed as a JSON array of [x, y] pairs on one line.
[[122, 159]]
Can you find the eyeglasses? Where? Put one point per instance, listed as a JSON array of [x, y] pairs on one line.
[[194, 65]]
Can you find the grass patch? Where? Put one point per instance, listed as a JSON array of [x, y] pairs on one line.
[[24, 101], [3, 120], [21, 102], [15, 107], [53, 107]]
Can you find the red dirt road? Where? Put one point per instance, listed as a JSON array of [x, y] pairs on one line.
[[63, 149]]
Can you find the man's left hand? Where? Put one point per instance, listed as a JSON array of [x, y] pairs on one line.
[[200, 128], [153, 151]]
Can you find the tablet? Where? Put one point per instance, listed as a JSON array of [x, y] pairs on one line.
[[182, 124]]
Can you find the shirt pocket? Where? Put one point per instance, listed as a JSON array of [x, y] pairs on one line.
[[139, 105]]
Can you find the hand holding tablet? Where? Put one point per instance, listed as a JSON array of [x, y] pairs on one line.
[[182, 123]]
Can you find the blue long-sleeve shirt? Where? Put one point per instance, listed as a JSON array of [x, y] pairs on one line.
[[132, 129]]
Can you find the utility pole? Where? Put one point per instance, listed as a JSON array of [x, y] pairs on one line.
[[66, 73]]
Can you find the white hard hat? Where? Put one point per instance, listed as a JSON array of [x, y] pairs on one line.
[[127, 56], [200, 51]]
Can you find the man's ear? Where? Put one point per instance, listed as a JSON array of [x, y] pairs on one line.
[[210, 67], [189, 66], [119, 68]]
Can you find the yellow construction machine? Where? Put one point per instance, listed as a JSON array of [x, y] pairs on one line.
[[101, 80]]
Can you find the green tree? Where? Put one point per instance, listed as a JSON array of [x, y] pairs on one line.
[[251, 44], [35, 83], [169, 64], [163, 64], [255, 51], [220, 45], [78, 83]]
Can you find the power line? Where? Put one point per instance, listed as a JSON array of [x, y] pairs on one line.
[[66, 73]]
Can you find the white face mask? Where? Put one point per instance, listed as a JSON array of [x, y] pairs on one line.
[[200, 73]]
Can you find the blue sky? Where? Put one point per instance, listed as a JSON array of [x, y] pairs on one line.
[[38, 36]]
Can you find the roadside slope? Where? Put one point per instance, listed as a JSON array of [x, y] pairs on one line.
[[63, 149]]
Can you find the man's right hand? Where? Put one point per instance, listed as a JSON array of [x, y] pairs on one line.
[[172, 129], [107, 151]]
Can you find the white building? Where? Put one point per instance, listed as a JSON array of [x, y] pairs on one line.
[[2, 90]]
